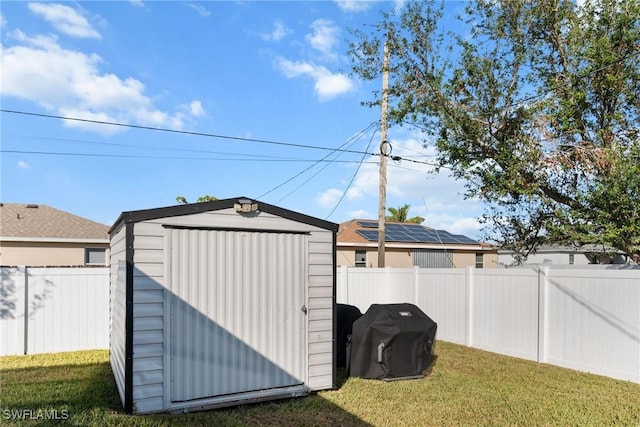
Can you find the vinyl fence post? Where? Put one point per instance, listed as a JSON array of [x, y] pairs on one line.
[[344, 285], [543, 282], [416, 287], [25, 271], [468, 307]]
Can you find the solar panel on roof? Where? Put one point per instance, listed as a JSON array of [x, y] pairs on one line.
[[412, 233], [368, 224]]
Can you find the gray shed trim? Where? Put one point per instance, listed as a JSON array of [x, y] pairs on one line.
[[193, 208]]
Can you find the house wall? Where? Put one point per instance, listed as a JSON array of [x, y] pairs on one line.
[[151, 346], [44, 254], [548, 258], [490, 259], [403, 258], [393, 257]]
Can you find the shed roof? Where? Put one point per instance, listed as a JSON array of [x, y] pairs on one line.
[[30, 222], [195, 208]]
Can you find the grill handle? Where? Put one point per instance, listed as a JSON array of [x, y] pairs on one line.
[[380, 350]]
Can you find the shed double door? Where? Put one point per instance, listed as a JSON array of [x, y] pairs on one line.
[[238, 314]]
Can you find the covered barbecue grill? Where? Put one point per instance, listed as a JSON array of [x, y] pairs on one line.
[[346, 314], [391, 342]]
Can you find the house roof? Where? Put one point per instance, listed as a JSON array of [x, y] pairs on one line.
[[35, 222], [195, 208], [364, 232]]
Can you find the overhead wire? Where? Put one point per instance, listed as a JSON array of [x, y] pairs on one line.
[[353, 177], [353, 139], [177, 131], [140, 156], [138, 147], [306, 169]]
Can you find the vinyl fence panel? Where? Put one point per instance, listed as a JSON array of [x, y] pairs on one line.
[[504, 312], [441, 293], [67, 309], [585, 318], [12, 304], [593, 321]]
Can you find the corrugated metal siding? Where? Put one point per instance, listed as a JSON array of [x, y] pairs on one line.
[[117, 307], [236, 318], [432, 258]]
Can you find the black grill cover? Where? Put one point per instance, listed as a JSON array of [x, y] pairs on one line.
[[347, 314], [392, 341]]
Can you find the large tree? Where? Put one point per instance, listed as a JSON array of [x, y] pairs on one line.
[[535, 104]]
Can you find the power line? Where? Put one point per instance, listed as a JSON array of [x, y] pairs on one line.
[[180, 132], [323, 159], [139, 156], [344, 193], [353, 139], [143, 147]]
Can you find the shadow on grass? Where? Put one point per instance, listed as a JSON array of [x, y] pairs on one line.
[[74, 387], [88, 394]]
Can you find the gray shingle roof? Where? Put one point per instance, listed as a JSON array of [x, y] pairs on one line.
[[42, 221]]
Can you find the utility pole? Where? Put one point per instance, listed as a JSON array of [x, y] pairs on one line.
[[382, 209]]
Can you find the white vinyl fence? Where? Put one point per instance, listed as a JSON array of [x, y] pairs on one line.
[[586, 319], [47, 310], [581, 318]]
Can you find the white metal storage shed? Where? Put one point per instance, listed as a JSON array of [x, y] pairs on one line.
[[221, 303]]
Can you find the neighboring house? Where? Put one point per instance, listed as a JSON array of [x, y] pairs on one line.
[[565, 255], [42, 236], [409, 245]]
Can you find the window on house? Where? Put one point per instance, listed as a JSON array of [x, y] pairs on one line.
[[572, 259], [361, 258], [95, 256], [479, 260]]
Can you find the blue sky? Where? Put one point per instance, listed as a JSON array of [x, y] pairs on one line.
[[270, 71]]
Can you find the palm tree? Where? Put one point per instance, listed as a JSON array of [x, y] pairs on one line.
[[401, 214]]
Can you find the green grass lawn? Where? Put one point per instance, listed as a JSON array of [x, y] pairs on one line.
[[464, 387]]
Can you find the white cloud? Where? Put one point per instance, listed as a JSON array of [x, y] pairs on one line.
[[353, 5], [104, 129], [327, 85], [137, 3], [361, 214], [65, 19], [202, 11], [3, 22], [196, 109], [328, 198], [71, 84], [436, 197], [278, 33], [324, 36], [23, 165]]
